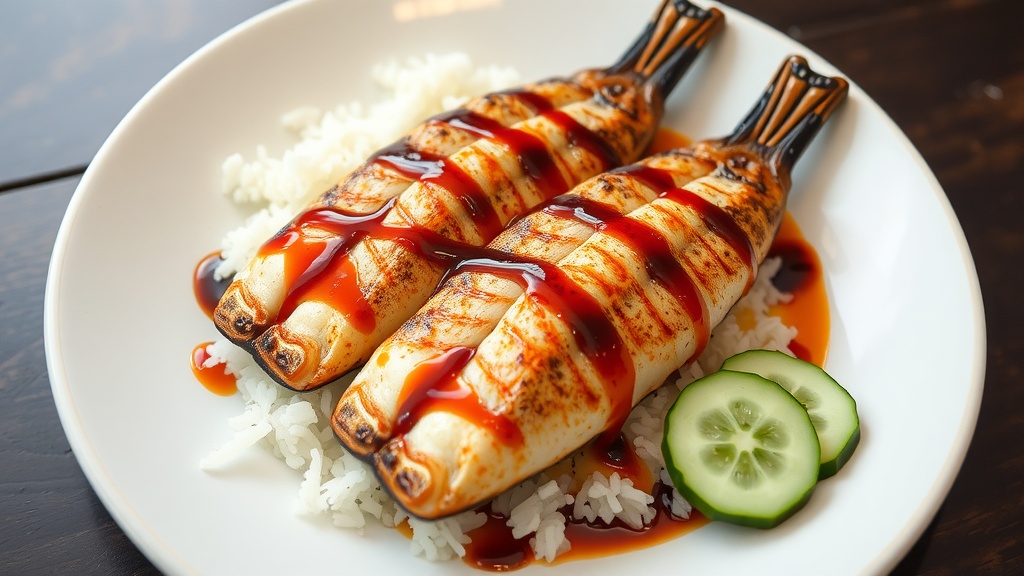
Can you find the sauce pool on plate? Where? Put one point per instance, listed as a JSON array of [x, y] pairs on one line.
[[214, 378], [205, 286], [801, 276]]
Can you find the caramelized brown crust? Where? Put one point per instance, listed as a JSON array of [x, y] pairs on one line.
[[316, 343], [527, 365], [251, 303], [460, 177], [709, 214]]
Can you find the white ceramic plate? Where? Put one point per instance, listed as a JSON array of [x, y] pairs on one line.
[[907, 330]]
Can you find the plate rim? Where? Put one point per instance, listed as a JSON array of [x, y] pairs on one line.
[[166, 559]]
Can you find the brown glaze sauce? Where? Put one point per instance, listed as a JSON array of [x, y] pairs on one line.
[[593, 332], [590, 541], [493, 547], [208, 292], [214, 378], [429, 385], [659, 261], [801, 275], [315, 246], [207, 289], [616, 456], [433, 386], [316, 265], [314, 268], [720, 224]]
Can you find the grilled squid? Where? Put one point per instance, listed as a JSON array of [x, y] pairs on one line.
[[547, 338], [343, 275]]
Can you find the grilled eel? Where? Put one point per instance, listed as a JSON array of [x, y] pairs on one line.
[[550, 335], [328, 288]]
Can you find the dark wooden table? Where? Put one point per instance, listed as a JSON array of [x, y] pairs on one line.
[[949, 72]]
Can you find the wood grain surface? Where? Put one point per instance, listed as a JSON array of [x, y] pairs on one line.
[[949, 72]]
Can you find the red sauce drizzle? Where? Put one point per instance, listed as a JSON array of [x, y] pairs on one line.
[[663, 268], [658, 259], [207, 289], [597, 540], [439, 171], [433, 385], [408, 161], [620, 457], [593, 332], [536, 101], [643, 239], [579, 135], [653, 178], [721, 223], [801, 275], [415, 163], [316, 265], [337, 283], [214, 378], [494, 548]]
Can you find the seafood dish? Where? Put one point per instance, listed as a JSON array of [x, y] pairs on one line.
[[547, 337], [325, 291]]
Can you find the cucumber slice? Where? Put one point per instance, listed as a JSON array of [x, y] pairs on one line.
[[741, 449], [831, 408]]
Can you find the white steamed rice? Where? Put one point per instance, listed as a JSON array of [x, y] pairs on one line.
[[296, 427]]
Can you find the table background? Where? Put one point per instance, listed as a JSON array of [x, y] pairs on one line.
[[949, 72]]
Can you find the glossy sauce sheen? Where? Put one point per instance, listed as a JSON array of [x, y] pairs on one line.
[[215, 378], [207, 289], [433, 386], [594, 334], [430, 384], [316, 269], [590, 541], [493, 547], [617, 455], [659, 261], [801, 275]]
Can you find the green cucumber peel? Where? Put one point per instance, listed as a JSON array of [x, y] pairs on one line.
[[741, 449], [832, 409]]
